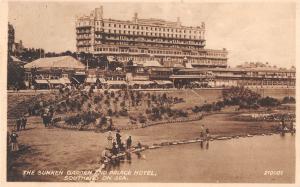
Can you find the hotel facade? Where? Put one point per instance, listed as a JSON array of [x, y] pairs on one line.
[[141, 40]]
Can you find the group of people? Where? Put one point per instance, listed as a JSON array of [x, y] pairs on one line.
[[47, 116], [204, 133], [115, 145], [283, 126], [21, 123]]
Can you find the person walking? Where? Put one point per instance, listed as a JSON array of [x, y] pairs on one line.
[[14, 141], [109, 140], [19, 121], [207, 133], [118, 138], [129, 142], [114, 149], [24, 123], [202, 131]]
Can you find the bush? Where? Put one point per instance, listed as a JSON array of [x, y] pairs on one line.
[[268, 102], [288, 99], [239, 95]]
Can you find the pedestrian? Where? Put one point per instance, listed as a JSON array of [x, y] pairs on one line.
[[14, 141], [207, 133], [19, 121], [114, 149], [118, 137], [110, 127], [45, 120], [109, 140], [202, 131], [24, 123], [128, 142]]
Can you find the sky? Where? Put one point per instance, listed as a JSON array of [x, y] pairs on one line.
[[254, 32]]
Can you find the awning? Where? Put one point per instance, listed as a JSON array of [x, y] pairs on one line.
[[91, 80], [55, 81], [116, 82], [41, 81], [141, 82], [163, 82]]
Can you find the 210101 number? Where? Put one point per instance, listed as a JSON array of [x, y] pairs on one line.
[[272, 172]]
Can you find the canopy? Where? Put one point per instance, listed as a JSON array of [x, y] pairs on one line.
[[41, 81], [163, 82], [117, 82], [55, 81], [141, 82]]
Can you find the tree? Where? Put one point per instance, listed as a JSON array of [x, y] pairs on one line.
[[15, 76]]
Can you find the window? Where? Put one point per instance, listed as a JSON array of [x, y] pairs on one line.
[[114, 25]]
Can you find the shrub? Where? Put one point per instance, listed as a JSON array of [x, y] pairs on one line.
[[288, 99], [268, 102]]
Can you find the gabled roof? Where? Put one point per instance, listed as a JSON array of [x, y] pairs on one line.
[[67, 62]]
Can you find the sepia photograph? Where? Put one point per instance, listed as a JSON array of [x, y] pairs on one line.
[[151, 92]]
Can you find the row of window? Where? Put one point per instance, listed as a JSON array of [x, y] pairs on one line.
[[146, 28], [154, 34], [113, 49], [157, 40], [157, 45]]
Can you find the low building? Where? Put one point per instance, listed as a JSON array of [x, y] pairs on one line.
[[53, 71], [247, 77]]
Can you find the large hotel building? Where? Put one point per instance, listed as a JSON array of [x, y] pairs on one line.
[[142, 40]]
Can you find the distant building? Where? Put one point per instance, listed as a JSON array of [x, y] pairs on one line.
[[146, 39], [54, 71], [247, 77]]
